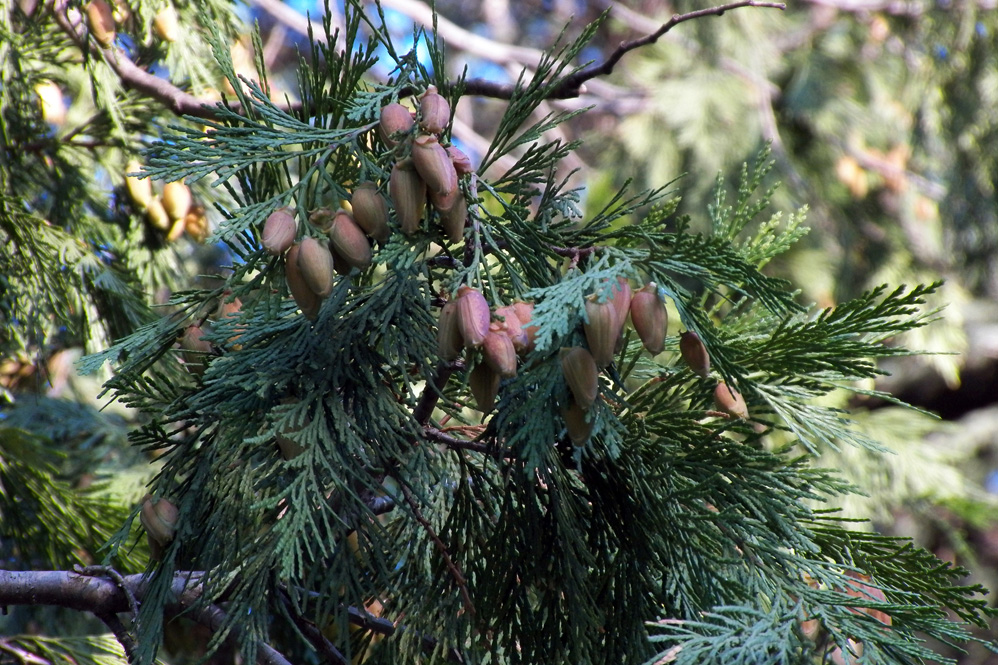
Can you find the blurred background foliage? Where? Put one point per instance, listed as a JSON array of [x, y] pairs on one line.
[[882, 116]]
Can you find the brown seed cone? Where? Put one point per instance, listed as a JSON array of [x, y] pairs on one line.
[[581, 374], [370, 211], [306, 298], [395, 119], [730, 401], [620, 296], [349, 241], [473, 316], [408, 193], [649, 318], [196, 224], [100, 20], [525, 312], [694, 353], [499, 353], [455, 218], [315, 263], [579, 430], [195, 349], [139, 189], [177, 199], [484, 384], [444, 202], [602, 330], [434, 165], [157, 216], [321, 218], [279, 231], [512, 328], [449, 342], [462, 163], [159, 517], [434, 111]]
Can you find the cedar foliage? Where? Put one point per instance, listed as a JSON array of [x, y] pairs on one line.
[[674, 532]]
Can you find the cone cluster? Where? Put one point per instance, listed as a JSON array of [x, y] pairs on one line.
[[172, 212], [603, 325], [431, 172], [310, 265], [466, 322]]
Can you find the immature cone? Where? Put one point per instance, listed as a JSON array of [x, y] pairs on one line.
[[306, 298], [166, 24], [730, 401], [620, 296], [139, 189], [602, 330], [370, 211], [434, 165], [321, 218], [512, 327], [195, 349], [395, 119], [176, 230], [581, 374], [694, 353], [279, 231], [100, 20], [316, 266], [649, 318], [408, 192], [159, 517], [434, 111], [349, 241], [473, 316], [177, 199], [499, 353], [461, 162], [449, 342], [196, 224], [455, 218], [579, 429], [525, 312], [484, 384], [868, 592], [157, 215]]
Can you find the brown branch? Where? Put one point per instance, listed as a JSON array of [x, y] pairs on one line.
[[120, 633], [455, 571], [104, 597], [322, 645], [132, 76], [572, 85], [433, 390]]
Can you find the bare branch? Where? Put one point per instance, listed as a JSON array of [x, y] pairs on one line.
[[431, 393], [106, 598], [572, 85]]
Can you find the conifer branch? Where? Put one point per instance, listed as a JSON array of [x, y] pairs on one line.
[[455, 572], [183, 103], [323, 646], [132, 76]]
